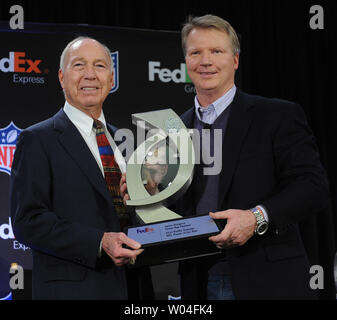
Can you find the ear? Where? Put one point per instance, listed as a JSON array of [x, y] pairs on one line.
[[60, 74], [112, 80], [236, 62]]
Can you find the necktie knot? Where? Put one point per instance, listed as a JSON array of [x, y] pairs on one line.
[[98, 124]]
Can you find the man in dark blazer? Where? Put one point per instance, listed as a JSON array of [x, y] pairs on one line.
[[271, 178], [60, 204]]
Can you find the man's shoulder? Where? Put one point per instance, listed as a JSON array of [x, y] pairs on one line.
[[262, 100], [41, 126], [44, 128], [267, 102], [269, 106]]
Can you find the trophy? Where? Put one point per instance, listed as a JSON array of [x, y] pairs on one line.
[[159, 172]]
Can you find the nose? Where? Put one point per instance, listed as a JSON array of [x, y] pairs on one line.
[[90, 73], [206, 59]]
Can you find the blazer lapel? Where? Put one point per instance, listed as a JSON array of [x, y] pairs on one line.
[[112, 130], [78, 150], [237, 128], [188, 117]]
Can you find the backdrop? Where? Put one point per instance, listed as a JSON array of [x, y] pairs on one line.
[[282, 56]]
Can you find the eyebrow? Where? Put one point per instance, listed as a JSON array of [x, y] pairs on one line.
[[82, 59], [100, 60]]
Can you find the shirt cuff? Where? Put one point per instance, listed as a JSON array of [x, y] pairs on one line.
[[264, 211]]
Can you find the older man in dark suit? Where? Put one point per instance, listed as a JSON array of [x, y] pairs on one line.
[[63, 187]]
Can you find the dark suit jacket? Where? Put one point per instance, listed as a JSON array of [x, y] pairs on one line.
[[269, 158], [60, 208], [5, 289]]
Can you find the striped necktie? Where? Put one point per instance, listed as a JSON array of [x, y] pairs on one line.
[[112, 173]]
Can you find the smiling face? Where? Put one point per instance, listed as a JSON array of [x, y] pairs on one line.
[[86, 77], [211, 63]]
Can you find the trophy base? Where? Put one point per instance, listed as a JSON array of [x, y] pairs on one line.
[[175, 240], [174, 252]]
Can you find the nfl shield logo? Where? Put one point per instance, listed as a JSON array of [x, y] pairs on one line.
[[114, 56], [8, 137]]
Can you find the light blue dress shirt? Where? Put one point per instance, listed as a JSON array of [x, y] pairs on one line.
[[210, 113]]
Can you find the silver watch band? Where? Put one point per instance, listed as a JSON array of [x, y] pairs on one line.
[[261, 223]]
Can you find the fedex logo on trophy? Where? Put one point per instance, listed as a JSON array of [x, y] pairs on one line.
[[18, 63], [8, 138], [145, 230]]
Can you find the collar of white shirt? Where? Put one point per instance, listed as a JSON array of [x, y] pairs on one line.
[[80, 119], [84, 124]]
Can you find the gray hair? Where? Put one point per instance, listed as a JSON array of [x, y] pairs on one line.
[[206, 22], [65, 51]]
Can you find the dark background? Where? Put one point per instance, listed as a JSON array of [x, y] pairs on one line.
[[281, 56]]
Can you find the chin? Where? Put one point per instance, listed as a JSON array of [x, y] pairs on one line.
[[90, 103], [208, 85], [208, 88]]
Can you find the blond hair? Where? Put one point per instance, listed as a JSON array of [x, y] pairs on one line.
[[207, 22]]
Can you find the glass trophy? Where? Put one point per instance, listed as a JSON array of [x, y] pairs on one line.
[[158, 173]]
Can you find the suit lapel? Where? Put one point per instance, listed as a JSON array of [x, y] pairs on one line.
[[112, 130], [237, 128], [188, 117], [78, 150]]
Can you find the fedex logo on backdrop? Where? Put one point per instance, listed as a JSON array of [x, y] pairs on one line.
[[6, 233], [17, 62], [8, 137]]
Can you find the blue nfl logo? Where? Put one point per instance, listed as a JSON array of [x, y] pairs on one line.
[[8, 138], [114, 56]]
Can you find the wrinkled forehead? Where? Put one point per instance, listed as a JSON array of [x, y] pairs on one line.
[[87, 46]]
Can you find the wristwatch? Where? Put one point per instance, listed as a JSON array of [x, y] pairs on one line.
[[261, 223]]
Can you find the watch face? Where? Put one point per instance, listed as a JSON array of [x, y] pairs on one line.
[[262, 228]]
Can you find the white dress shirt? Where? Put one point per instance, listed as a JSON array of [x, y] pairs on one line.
[[84, 124]]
